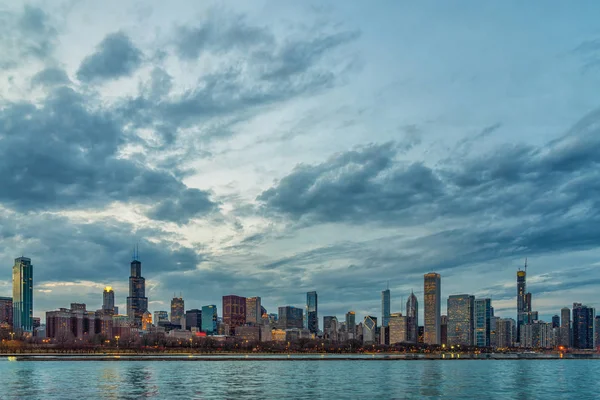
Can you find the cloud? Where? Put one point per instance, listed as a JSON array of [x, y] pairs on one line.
[[50, 76], [73, 160], [28, 35], [116, 56]]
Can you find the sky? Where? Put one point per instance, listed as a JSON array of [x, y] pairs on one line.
[[271, 148]]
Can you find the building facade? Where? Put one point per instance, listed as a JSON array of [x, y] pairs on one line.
[[398, 328], [583, 326], [209, 319], [385, 307], [312, 312], [350, 325], [108, 300], [234, 312], [412, 319], [432, 295], [177, 310], [290, 317], [253, 310], [370, 330], [137, 302], [193, 319], [565, 327], [461, 319], [6, 311], [160, 316], [22, 295], [483, 328]]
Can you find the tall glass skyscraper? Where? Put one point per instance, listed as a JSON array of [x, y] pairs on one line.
[[137, 302], [351, 325], [23, 295], [312, 317], [483, 314], [565, 326], [523, 302], [432, 294], [209, 319], [412, 319], [460, 319], [385, 308], [583, 326]]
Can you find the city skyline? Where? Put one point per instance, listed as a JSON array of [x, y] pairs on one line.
[[272, 149]]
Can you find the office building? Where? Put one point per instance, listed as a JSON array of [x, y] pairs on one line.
[[253, 310], [22, 295], [460, 319], [524, 312], [444, 329], [505, 332], [108, 300], [330, 328], [6, 311], [583, 326], [160, 316], [312, 314], [177, 309], [209, 319], [483, 316], [398, 328], [432, 297], [565, 327], [193, 319], [597, 331], [290, 317], [137, 302], [350, 325], [494, 330], [385, 307], [370, 330], [412, 319], [146, 321], [555, 321], [234, 312]]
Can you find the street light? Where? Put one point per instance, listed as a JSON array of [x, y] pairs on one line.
[[117, 337], [12, 336]]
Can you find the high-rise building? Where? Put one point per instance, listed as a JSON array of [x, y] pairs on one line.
[[412, 319], [253, 310], [555, 321], [209, 319], [160, 316], [177, 310], [234, 312], [6, 310], [370, 330], [108, 300], [398, 328], [565, 327], [312, 316], [483, 315], [444, 329], [385, 307], [460, 319], [597, 331], [330, 327], [193, 319], [524, 315], [23, 295], [432, 295], [290, 317], [506, 329], [350, 325], [137, 302], [583, 326], [494, 330]]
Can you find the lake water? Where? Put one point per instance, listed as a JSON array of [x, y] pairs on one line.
[[357, 379]]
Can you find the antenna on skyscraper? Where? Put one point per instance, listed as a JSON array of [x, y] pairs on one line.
[[525, 265]]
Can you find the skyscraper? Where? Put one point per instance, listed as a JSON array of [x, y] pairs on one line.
[[583, 326], [193, 319], [108, 300], [312, 316], [6, 310], [137, 302], [253, 310], [505, 328], [234, 312], [412, 319], [23, 295], [385, 307], [398, 328], [483, 315], [555, 321], [290, 317], [460, 319], [209, 319], [565, 327], [432, 294], [177, 310], [523, 302], [369, 329], [351, 325]]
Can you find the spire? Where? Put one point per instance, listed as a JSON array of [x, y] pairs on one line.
[[526, 265]]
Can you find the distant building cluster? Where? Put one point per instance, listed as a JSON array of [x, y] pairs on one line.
[[469, 321]]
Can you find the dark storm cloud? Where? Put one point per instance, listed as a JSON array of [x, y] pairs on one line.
[[368, 184], [66, 250], [50, 76], [116, 56], [25, 36], [65, 153]]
